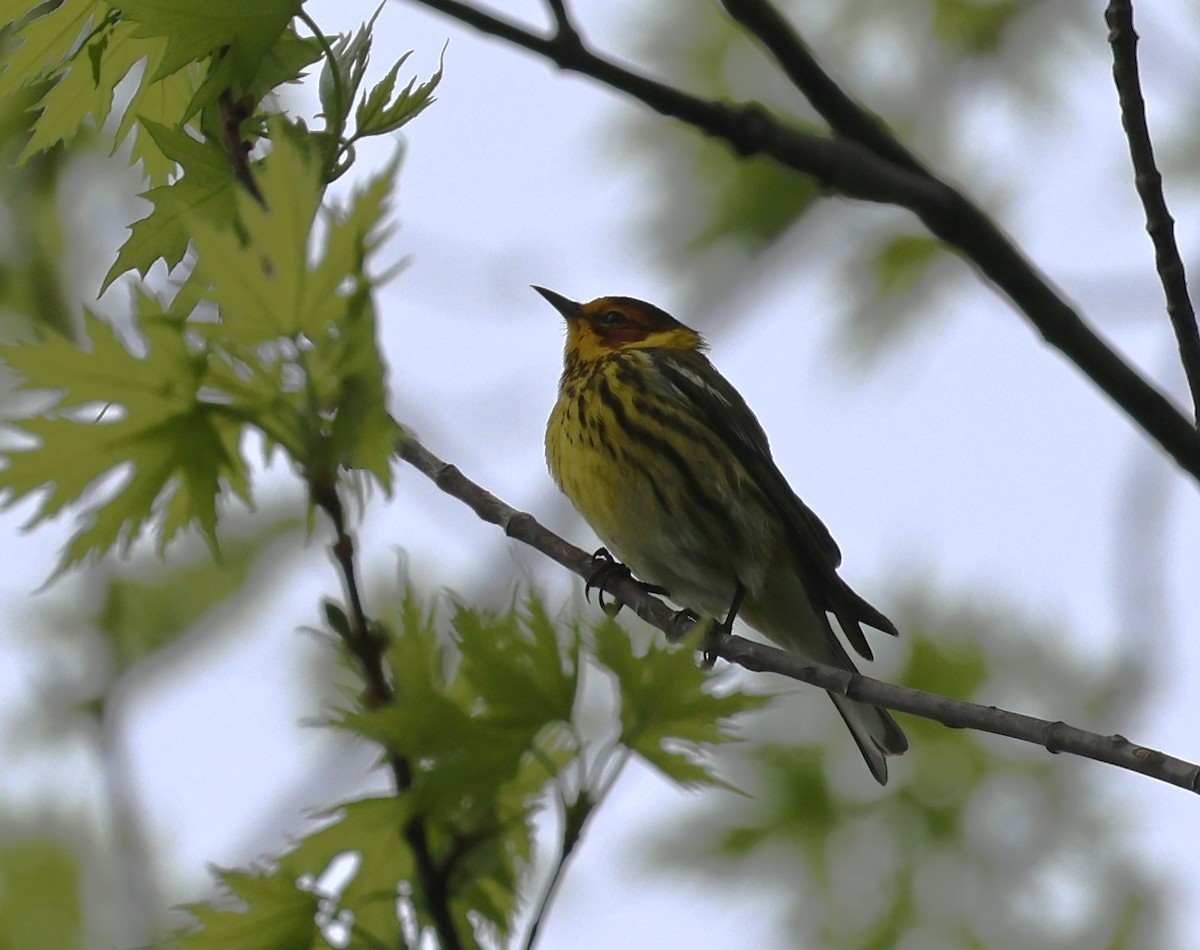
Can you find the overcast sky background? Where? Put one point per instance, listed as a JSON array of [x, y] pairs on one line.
[[972, 458]]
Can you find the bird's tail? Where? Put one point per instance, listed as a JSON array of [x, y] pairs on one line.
[[875, 732], [785, 615]]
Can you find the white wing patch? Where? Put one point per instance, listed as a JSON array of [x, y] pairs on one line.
[[703, 384]]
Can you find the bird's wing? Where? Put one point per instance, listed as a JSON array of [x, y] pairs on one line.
[[713, 398]]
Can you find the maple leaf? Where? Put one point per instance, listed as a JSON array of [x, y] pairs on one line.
[[118, 411]]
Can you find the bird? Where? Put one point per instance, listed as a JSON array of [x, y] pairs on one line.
[[669, 466]]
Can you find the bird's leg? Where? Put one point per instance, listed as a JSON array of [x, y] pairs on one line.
[[717, 632], [605, 568]]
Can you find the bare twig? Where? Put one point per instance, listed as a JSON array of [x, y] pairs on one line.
[[565, 29], [856, 171], [1159, 223], [845, 116], [956, 713]]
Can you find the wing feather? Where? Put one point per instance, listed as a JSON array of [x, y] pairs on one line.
[[714, 399]]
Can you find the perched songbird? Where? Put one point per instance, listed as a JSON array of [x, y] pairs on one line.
[[669, 466]]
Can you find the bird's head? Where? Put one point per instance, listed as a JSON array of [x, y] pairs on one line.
[[609, 324]]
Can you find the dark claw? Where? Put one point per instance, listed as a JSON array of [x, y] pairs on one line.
[[686, 622], [715, 631], [606, 568]]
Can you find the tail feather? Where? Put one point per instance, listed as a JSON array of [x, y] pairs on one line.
[[874, 731], [783, 612]]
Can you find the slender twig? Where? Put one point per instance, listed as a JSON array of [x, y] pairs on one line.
[[856, 171], [575, 818], [845, 116], [564, 28], [1159, 224], [337, 123], [956, 713], [368, 649], [235, 149], [550, 891]]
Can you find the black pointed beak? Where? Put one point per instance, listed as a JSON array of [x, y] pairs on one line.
[[567, 307]]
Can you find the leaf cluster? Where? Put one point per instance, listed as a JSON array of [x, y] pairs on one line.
[[971, 841], [289, 352], [491, 718]]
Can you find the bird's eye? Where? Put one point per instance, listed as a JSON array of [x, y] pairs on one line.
[[612, 318]]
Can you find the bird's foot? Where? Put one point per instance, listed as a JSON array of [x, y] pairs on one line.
[[605, 569], [715, 631], [713, 634]]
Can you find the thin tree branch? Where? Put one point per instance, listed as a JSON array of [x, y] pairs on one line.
[[1159, 224], [232, 115], [565, 29], [368, 647], [845, 116], [955, 713], [856, 171]]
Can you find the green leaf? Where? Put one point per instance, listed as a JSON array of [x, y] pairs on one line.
[[39, 896], [372, 829], [143, 613], [84, 90], [975, 26], [161, 104], [269, 289], [666, 714], [945, 667], [179, 453], [902, 261], [44, 43], [753, 201], [206, 192], [245, 32], [341, 78], [259, 277], [284, 62], [275, 915], [526, 674], [378, 113]]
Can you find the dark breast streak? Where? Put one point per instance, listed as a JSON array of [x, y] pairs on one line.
[[623, 411]]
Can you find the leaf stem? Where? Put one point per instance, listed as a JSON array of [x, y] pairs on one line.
[[339, 91], [575, 818]]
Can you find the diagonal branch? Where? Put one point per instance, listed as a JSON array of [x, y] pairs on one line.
[[1159, 223], [955, 713], [856, 171], [845, 116]]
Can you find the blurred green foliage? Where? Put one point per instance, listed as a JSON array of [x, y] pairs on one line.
[[976, 841], [915, 64], [39, 896]]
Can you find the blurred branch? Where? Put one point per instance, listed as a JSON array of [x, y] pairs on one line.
[[955, 713], [1159, 224], [136, 869], [857, 171]]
